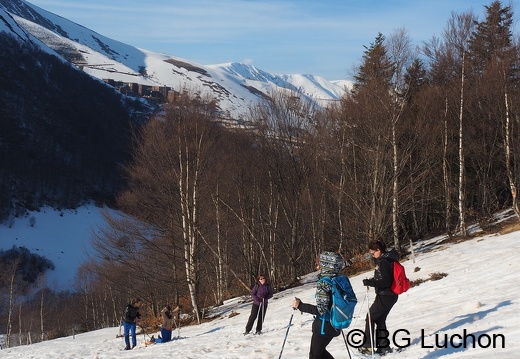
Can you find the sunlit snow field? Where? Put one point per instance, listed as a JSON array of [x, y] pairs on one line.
[[470, 313]]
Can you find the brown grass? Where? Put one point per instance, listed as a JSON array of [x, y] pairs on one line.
[[433, 277], [510, 226]]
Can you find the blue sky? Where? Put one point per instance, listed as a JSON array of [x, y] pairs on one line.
[[323, 38]]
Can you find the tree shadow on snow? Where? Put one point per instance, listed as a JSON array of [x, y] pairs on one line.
[[472, 317], [442, 342]]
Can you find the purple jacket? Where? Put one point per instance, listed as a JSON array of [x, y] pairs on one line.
[[261, 291]]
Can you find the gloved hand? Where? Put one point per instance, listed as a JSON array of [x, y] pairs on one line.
[[366, 282]]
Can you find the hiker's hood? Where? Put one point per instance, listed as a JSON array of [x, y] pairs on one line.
[[330, 263], [391, 255]]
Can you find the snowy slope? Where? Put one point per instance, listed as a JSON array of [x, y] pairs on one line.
[[10, 26], [7, 24], [236, 86], [478, 300], [62, 236]]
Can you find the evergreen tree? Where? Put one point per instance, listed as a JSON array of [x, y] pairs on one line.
[[376, 67], [492, 38]]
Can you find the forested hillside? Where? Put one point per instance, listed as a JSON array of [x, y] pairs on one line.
[[63, 134]]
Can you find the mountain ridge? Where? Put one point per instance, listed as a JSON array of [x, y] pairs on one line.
[[236, 86]]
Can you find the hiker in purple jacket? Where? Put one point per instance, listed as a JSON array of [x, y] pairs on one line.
[[261, 292]]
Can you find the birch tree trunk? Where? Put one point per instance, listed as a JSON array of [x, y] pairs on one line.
[[510, 174], [42, 333], [188, 202], [462, 207], [273, 212], [20, 324], [445, 170], [220, 273], [395, 188], [10, 309]]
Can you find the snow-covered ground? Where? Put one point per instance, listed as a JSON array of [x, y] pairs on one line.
[[470, 313], [62, 236]]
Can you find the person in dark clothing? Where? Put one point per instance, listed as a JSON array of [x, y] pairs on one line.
[[261, 292], [130, 317], [384, 300], [330, 264]]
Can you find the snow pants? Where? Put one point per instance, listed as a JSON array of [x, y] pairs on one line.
[[379, 310]]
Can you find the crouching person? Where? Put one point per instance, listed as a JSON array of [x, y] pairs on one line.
[[167, 323]]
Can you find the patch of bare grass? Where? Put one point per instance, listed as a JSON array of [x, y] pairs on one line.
[[433, 277]]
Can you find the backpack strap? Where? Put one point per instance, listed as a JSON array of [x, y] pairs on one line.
[[325, 316]]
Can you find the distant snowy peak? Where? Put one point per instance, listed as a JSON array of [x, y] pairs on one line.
[[236, 86], [35, 20], [248, 72], [310, 85]]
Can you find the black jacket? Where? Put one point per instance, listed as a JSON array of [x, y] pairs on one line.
[[131, 313], [384, 273]]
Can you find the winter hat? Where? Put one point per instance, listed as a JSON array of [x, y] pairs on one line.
[[331, 262]]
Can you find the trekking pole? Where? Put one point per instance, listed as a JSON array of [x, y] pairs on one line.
[[370, 325], [179, 326], [176, 327], [286, 333], [144, 332], [258, 313], [262, 313], [346, 344]]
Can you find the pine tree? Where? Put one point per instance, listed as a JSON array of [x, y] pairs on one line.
[[376, 67], [495, 63], [492, 38]]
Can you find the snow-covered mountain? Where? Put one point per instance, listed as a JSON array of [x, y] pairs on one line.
[[235, 85]]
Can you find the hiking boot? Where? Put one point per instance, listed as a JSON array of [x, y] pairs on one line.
[[365, 350], [383, 350], [258, 332], [246, 332], [127, 347]]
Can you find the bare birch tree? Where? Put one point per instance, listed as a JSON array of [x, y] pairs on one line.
[[457, 36]]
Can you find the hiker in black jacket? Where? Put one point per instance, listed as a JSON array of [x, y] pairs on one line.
[[322, 331], [384, 300], [130, 316]]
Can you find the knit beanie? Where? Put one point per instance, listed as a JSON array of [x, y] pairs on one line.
[[331, 263]]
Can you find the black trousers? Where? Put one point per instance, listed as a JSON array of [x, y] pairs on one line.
[[322, 334], [378, 312], [319, 346], [254, 314]]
